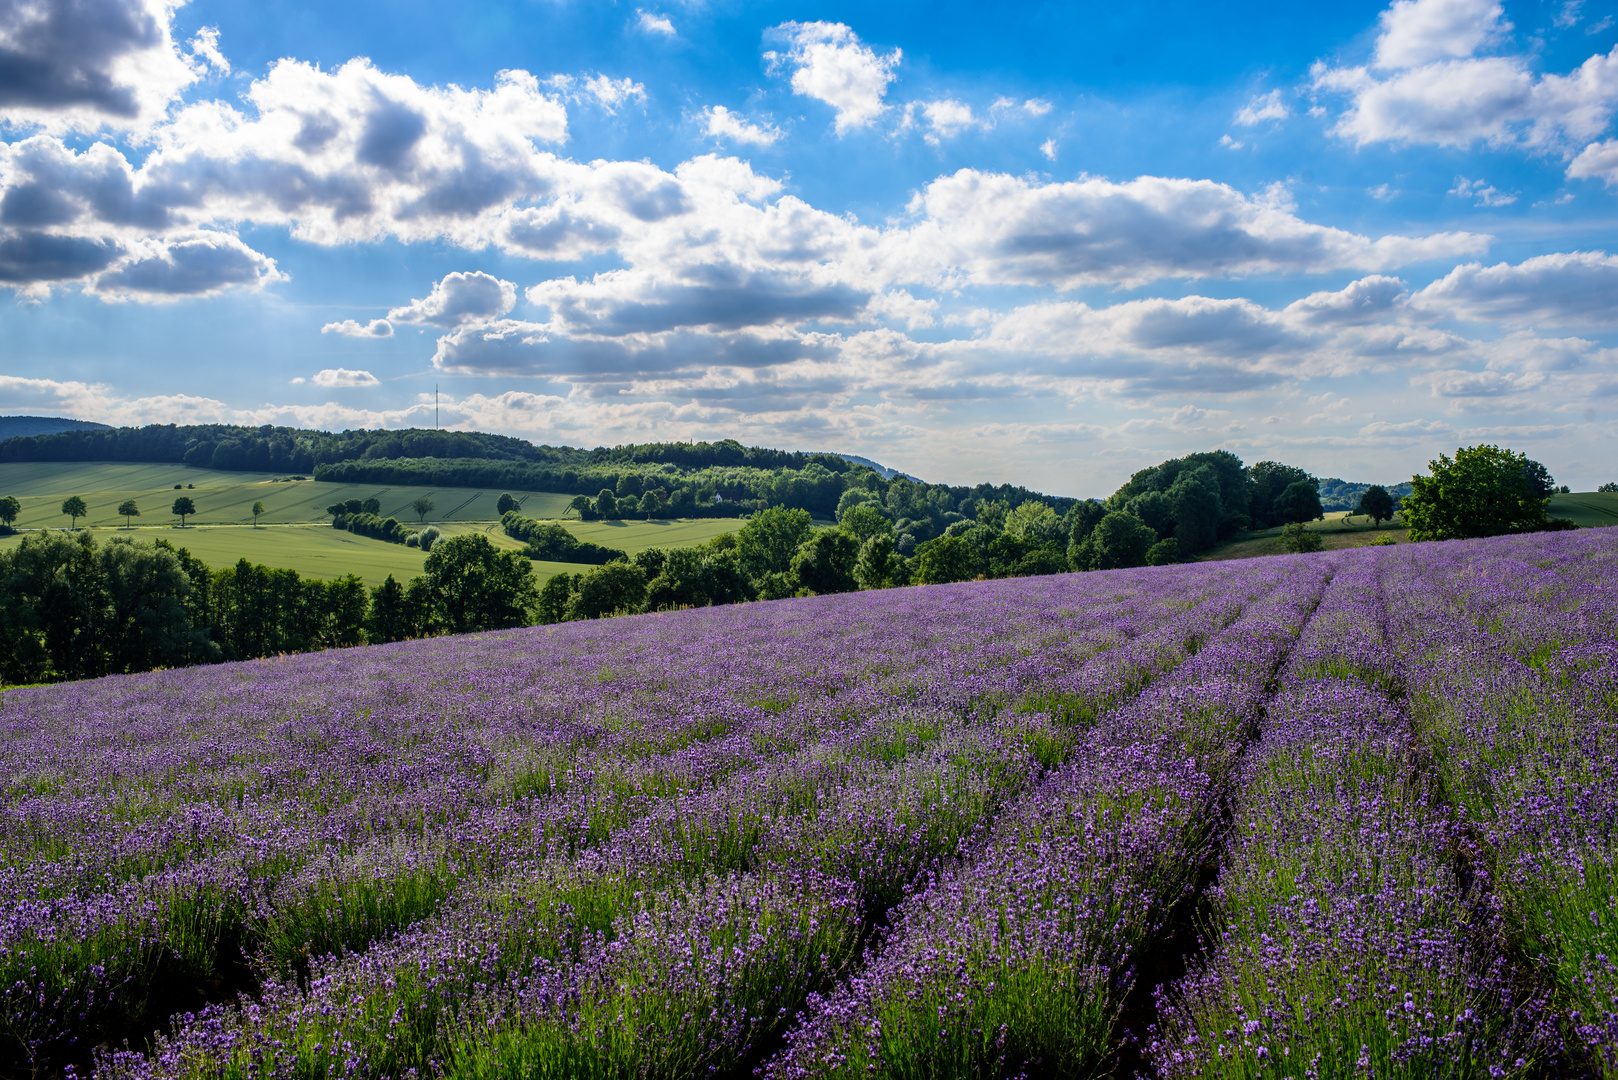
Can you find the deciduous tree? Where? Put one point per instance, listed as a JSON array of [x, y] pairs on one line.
[[1483, 491], [75, 508], [129, 509]]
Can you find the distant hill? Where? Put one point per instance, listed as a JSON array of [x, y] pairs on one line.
[[1338, 494], [12, 427], [887, 473]]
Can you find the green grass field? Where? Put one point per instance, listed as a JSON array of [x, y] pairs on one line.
[[226, 498], [1587, 509], [284, 540], [315, 551]]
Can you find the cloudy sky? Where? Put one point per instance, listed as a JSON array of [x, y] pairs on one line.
[[1048, 243]]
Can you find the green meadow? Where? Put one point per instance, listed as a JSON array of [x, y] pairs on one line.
[[227, 498], [294, 532], [1587, 509]]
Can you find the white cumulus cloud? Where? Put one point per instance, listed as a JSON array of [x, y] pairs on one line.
[[1427, 85], [343, 378], [1265, 107], [1568, 288], [458, 299], [652, 23], [831, 64], [376, 328], [720, 123], [94, 64]]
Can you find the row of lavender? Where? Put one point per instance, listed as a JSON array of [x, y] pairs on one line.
[[1418, 881], [925, 833], [175, 837]]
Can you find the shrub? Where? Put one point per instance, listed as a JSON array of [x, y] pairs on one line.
[[1298, 539]]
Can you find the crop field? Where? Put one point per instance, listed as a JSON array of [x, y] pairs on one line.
[[955, 831], [320, 551], [1587, 509], [228, 497]]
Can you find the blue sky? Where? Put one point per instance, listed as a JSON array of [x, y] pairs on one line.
[[1048, 243]]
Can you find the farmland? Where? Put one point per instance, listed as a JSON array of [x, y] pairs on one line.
[[228, 497], [963, 830]]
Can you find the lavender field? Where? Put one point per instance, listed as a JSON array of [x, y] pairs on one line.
[[1340, 815]]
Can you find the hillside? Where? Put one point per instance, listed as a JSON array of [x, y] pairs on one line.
[[16, 427], [638, 843]]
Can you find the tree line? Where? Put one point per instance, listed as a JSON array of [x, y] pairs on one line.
[[71, 608]]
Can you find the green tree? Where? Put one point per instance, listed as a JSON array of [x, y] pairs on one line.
[[258, 511], [949, 558], [10, 508], [1083, 518], [1298, 539], [1198, 509], [373, 505], [606, 504], [1376, 504], [1482, 491], [1266, 481], [75, 508], [1539, 478], [1163, 552], [1299, 502], [507, 502], [423, 506], [581, 504], [1154, 508], [615, 588], [1034, 521], [855, 497], [865, 520], [128, 510], [824, 563], [1118, 541], [388, 617], [767, 543], [476, 586], [555, 597], [183, 508]]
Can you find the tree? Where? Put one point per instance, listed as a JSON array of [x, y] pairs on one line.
[[1482, 491], [1297, 538], [607, 504], [1376, 504], [1539, 478], [1607, 488], [580, 503], [75, 508], [824, 563], [389, 616], [258, 510], [128, 509], [949, 558], [1119, 540], [770, 538], [507, 502], [1163, 552], [422, 506], [476, 586], [1299, 502], [10, 508], [611, 589], [183, 508], [555, 597], [373, 505], [1198, 509], [864, 520], [1266, 482]]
